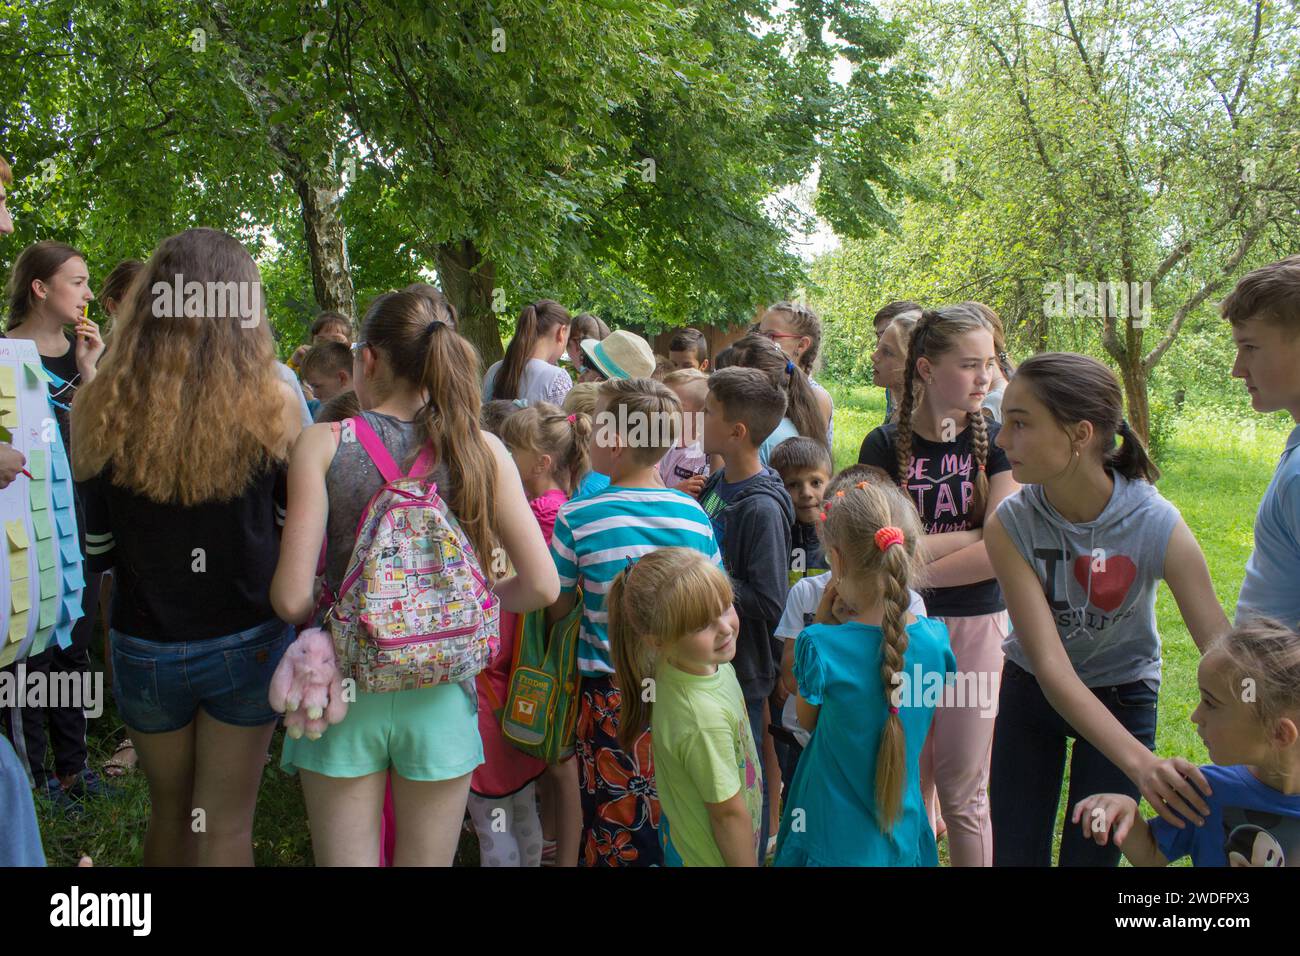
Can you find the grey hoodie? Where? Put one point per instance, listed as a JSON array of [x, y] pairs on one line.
[[1108, 629]]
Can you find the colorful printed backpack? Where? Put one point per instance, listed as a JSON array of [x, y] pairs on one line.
[[414, 609]]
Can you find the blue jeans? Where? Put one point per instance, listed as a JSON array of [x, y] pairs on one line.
[[1029, 765], [160, 686], [757, 710]]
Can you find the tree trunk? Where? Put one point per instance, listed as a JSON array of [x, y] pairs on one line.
[[331, 276], [467, 281], [1134, 374]]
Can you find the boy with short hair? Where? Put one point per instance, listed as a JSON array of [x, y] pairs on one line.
[[1264, 310], [752, 515], [688, 348], [686, 467], [595, 538], [805, 467], [327, 370]]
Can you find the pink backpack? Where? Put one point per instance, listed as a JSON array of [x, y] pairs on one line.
[[414, 609]]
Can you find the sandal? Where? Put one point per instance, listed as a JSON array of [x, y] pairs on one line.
[[121, 762]]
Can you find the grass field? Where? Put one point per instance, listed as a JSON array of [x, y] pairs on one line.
[[1215, 470]]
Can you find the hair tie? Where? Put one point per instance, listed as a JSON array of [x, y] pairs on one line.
[[889, 536], [893, 709], [981, 467], [428, 329], [1124, 427], [789, 367], [573, 419], [520, 402]]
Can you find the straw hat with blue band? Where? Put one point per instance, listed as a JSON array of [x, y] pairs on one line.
[[620, 355]]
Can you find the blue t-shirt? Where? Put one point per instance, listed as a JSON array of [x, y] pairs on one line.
[[1250, 824], [592, 483], [785, 429], [1269, 588], [594, 538], [830, 810]]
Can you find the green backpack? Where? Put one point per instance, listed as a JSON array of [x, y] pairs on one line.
[[540, 716]]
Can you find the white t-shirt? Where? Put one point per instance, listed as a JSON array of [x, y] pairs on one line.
[[800, 606], [540, 382]]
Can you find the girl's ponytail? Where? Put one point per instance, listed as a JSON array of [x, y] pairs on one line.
[[756, 351], [633, 663], [1131, 459], [980, 442], [414, 335], [536, 320], [578, 462]]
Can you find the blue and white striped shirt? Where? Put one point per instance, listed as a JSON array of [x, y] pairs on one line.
[[595, 536]]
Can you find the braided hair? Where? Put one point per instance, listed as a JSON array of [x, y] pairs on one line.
[[935, 335]]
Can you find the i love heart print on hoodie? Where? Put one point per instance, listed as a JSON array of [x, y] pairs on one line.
[[1099, 577]]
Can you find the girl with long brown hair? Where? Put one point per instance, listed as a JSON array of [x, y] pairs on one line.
[[941, 453], [528, 370], [803, 415], [865, 686], [418, 380], [180, 443], [797, 331]]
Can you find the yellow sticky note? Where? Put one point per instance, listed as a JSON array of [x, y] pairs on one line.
[[8, 383], [9, 417], [20, 593], [18, 565], [17, 626], [17, 533]]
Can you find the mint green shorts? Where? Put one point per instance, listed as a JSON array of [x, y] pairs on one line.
[[427, 734]]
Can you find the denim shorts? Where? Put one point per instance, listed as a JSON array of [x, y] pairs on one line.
[[159, 686]]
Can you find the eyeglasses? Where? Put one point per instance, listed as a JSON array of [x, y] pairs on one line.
[[773, 336]]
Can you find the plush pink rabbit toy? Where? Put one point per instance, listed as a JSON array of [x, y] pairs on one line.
[[308, 687]]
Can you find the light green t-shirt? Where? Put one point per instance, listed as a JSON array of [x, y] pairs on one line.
[[704, 753]]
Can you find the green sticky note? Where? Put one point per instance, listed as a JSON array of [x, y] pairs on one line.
[[41, 524], [40, 498], [49, 611], [45, 554], [49, 583], [36, 464], [37, 371]]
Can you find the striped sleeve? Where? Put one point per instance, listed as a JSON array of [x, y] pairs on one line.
[[562, 552], [97, 527]]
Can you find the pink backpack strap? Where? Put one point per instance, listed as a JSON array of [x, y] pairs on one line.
[[375, 448]]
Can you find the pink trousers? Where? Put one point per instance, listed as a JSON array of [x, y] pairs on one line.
[[955, 760]]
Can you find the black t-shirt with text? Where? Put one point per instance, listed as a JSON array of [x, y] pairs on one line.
[[941, 483]]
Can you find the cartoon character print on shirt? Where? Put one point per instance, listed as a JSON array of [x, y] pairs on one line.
[[1258, 838], [749, 774], [944, 491], [1107, 580]]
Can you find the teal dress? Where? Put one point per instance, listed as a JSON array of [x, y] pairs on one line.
[[830, 810]]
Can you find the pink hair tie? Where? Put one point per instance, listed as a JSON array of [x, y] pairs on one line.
[[893, 709], [889, 536], [572, 419]]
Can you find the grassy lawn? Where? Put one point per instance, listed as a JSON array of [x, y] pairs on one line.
[[1215, 469]]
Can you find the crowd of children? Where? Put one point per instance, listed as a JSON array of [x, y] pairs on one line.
[[773, 660]]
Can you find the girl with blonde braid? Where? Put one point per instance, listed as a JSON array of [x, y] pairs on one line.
[[942, 453], [869, 674]]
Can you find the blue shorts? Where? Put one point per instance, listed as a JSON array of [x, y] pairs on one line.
[[159, 686]]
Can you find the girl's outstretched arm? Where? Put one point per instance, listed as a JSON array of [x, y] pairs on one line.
[[1188, 577], [1167, 784]]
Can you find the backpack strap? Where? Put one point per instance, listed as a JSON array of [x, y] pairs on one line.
[[383, 459], [375, 448]]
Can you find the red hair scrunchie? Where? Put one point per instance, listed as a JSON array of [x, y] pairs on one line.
[[889, 536]]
